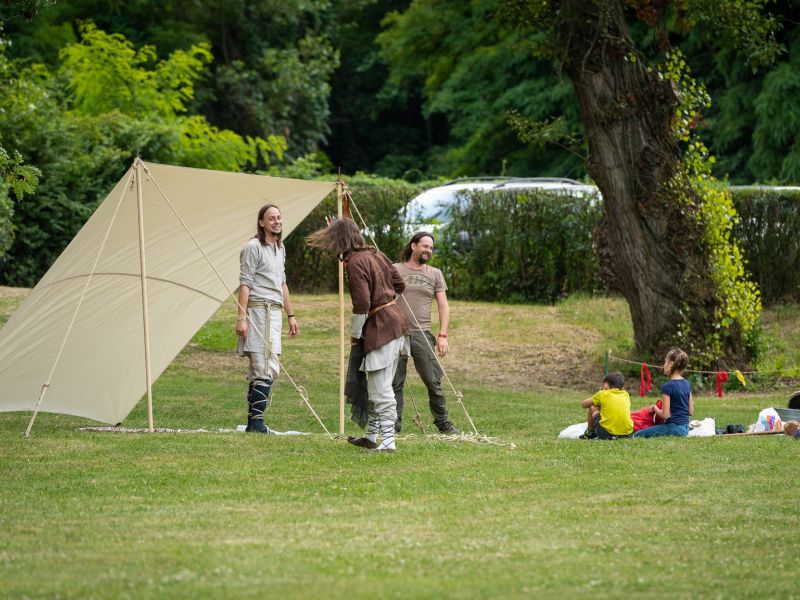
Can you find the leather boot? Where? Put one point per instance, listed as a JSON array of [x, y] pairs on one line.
[[247, 399], [362, 442]]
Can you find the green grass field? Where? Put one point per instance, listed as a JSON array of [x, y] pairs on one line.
[[213, 515]]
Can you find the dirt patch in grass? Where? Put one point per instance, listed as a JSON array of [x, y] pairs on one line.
[[12, 292], [10, 299], [513, 347], [522, 347], [518, 347], [210, 362]]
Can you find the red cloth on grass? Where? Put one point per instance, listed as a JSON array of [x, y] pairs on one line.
[[644, 418]]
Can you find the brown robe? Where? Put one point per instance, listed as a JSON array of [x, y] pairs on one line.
[[373, 282]]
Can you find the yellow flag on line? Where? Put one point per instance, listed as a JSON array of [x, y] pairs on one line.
[[740, 377]]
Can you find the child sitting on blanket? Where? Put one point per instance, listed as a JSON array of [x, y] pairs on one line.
[[676, 399], [609, 410]]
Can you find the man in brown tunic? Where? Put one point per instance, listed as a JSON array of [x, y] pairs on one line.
[[377, 321]]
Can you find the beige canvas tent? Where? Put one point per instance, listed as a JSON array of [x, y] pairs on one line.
[[82, 330]]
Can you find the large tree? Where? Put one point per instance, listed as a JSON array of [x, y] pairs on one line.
[[664, 242]]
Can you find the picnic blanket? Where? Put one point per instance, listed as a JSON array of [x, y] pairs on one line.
[[698, 428]]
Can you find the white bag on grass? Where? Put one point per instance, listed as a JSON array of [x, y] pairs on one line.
[[573, 432], [705, 428]]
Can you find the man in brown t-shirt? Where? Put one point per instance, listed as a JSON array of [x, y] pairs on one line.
[[423, 284]]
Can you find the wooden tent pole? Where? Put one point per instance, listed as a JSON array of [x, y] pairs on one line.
[[36, 410], [342, 375], [145, 317]]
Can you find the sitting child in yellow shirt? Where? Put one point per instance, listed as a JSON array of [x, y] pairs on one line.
[[609, 410]]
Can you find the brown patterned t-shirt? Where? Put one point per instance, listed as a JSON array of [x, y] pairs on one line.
[[421, 286]]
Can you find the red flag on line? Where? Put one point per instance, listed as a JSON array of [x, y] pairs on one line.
[[722, 377], [645, 383]]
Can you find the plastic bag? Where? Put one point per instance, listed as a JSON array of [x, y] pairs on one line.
[[768, 420], [705, 428], [574, 432]]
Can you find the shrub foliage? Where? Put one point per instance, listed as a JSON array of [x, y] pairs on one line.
[[518, 247], [767, 231], [537, 246], [381, 202]]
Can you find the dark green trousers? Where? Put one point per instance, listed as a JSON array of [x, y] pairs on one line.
[[429, 371]]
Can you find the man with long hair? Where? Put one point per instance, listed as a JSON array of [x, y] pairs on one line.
[[377, 323], [424, 283], [262, 294]]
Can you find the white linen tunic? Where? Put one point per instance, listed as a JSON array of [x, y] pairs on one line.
[[263, 270]]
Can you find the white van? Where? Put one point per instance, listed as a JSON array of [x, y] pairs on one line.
[[430, 209]]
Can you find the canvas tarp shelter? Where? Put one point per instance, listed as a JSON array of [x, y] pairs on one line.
[[100, 372]]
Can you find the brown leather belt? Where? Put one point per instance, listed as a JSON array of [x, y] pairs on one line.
[[381, 307]]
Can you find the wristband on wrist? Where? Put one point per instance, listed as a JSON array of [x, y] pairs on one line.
[[241, 318], [289, 316], [444, 335]]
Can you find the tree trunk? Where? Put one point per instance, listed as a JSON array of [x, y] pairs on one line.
[[649, 240]]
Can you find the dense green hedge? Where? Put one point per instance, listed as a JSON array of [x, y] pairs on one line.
[[769, 234], [381, 203], [536, 246], [516, 247]]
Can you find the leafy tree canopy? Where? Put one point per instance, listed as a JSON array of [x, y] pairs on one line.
[[82, 123], [434, 92], [267, 64], [475, 70]]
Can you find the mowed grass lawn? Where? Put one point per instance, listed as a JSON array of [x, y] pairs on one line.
[[216, 515]]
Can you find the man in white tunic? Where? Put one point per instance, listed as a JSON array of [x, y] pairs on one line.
[[262, 294]]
